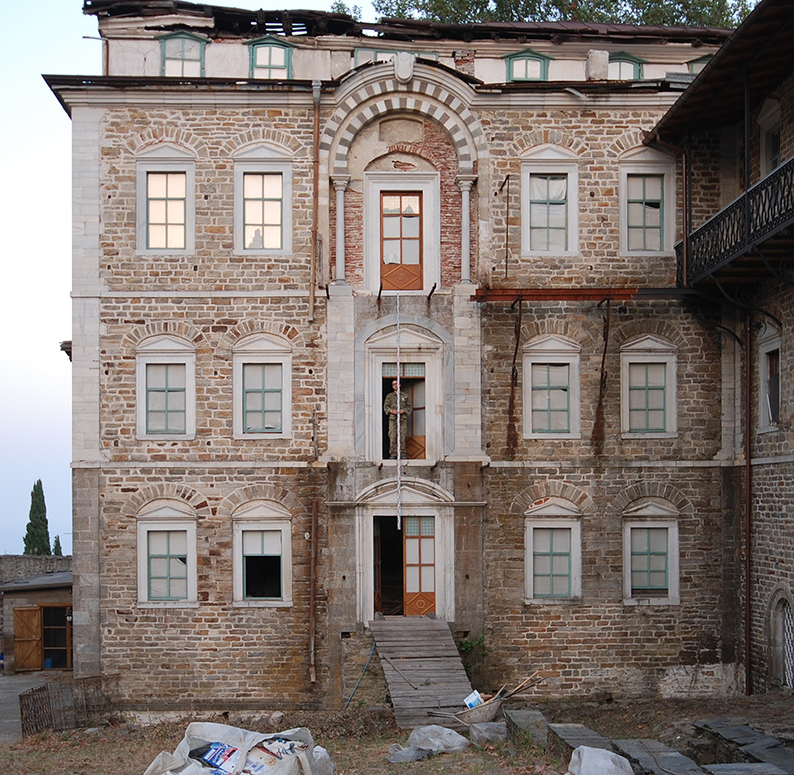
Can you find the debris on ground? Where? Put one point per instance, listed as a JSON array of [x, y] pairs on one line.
[[424, 742], [598, 761], [488, 732]]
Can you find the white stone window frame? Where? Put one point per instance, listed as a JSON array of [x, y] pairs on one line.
[[262, 515], [262, 348], [550, 160], [768, 121], [555, 350], [164, 515], [263, 158], [553, 513], [429, 184], [650, 349], [165, 350], [414, 348], [768, 342], [647, 161], [165, 157], [649, 513]]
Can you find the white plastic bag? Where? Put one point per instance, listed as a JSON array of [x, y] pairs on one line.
[[437, 738]]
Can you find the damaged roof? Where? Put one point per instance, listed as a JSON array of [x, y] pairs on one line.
[[54, 580], [241, 22]]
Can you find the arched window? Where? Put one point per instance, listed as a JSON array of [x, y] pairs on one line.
[[182, 55], [527, 65]]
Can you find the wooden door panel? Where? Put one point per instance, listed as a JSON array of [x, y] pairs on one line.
[[27, 639]]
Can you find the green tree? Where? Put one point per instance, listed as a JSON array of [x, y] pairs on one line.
[[338, 6], [56, 547], [37, 535]]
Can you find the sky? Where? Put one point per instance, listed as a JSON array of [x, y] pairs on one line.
[[48, 36]]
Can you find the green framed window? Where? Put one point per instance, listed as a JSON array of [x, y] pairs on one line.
[[551, 562], [647, 397], [696, 65], [182, 56], [167, 558], [548, 212], [527, 65], [625, 67], [649, 559], [262, 564], [166, 398], [263, 210], [645, 212], [551, 407], [262, 398], [166, 210], [270, 59]]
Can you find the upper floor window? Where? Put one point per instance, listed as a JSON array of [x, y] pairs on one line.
[[647, 202], [650, 553], [549, 201], [769, 127], [527, 65], [165, 200], [270, 58], [553, 552], [648, 387], [551, 388], [263, 199], [182, 55], [401, 224], [166, 388], [696, 65], [625, 67], [769, 372], [166, 554], [262, 367]]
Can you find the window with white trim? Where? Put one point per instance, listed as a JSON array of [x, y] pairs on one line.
[[647, 202], [650, 554], [625, 67], [553, 552], [262, 548], [165, 389], [551, 388], [648, 383], [549, 201], [270, 59], [769, 371], [182, 55], [696, 65], [527, 65], [166, 536], [401, 224], [262, 200], [262, 375], [165, 200]]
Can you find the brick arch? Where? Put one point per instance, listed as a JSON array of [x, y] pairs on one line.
[[159, 328], [626, 142], [156, 135], [550, 489], [260, 492], [168, 491], [636, 328], [558, 137], [556, 327], [665, 492], [248, 327], [374, 99], [286, 142]]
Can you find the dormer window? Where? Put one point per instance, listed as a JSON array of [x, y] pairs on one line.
[[625, 67], [182, 56], [527, 66], [696, 65], [271, 59]]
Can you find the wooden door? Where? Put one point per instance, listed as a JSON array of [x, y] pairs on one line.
[[419, 552], [401, 240], [27, 639]]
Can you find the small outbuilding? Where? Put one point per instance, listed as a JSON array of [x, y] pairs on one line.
[[37, 616]]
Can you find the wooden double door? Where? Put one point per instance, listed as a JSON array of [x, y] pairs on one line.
[[42, 638], [405, 565]]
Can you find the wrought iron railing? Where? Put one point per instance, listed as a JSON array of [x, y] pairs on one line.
[[757, 214]]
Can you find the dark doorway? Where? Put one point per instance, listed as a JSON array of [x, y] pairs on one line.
[[388, 554], [414, 387]]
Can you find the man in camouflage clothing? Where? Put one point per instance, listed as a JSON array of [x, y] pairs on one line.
[[391, 409]]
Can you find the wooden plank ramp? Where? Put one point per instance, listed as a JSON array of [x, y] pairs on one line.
[[423, 669]]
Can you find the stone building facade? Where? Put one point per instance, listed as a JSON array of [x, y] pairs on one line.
[[277, 214]]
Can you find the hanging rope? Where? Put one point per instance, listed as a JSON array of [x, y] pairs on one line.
[[399, 427]]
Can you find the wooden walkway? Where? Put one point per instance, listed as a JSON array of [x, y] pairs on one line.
[[422, 667]]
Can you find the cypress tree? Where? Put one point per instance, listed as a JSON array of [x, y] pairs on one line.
[[56, 547], [37, 535]]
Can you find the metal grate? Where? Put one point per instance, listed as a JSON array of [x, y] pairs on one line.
[[788, 646]]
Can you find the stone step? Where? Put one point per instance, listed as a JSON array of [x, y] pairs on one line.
[[650, 757], [565, 738], [752, 743], [527, 725], [744, 768]]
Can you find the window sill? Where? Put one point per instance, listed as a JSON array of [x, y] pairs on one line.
[[262, 604], [553, 436], [165, 252], [257, 436], [412, 462], [634, 435], [647, 253], [769, 429], [566, 601], [651, 601], [550, 253], [166, 436], [262, 252], [168, 604]]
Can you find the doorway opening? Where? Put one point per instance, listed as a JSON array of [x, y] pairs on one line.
[[388, 556], [412, 383]]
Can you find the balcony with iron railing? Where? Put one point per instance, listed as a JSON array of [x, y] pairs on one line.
[[759, 214]]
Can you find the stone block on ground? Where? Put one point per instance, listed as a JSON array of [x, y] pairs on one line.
[[527, 724], [566, 738], [597, 761], [655, 758], [743, 768]]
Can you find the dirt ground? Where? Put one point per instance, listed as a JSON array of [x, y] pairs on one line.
[[358, 740]]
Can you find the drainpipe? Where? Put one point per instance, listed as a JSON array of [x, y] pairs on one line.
[[316, 89], [313, 595], [748, 484]]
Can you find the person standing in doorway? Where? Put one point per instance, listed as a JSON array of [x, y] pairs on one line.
[[395, 408]]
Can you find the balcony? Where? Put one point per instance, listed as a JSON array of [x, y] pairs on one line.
[[749, 239]]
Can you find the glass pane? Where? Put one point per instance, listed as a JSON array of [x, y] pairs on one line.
[[558, 400], [558, 188], [272, 185], [653, 188], [191, 69], [273, 402], [637, 374], [262, 577], [635, 187], [412, 550], [559, 422], [271, 542], [542, 539], [253, 375], [391, 251], [656, 374], [428, 550], [156, 375], [277, 55], [177, 568], [639, 540], [656, 419], [636, 214], [176, 237], [158, 588], [411, 252], [562, 539], [155, 422], [178, 542], [658, 539], [542, 586], [639, 580], [156, 185], [656, 399], [272, 213], [253, 238], [410, 205], [391, 227], [559, 564], [272, 372], [158, 567], [542, 564], [254, 212], [428, 526], [272, 237], [157, 211], [557, 215], [560, 586], [411, 526], [177, 185], [273, 422], [412, 579], [262, 55], [252, 186], [410, 227], [178, 589], [558, 375], [636, 239], [176, 375], [652, 212], [558, 240], [172, 68], [428, 578], [658, 580], [391, 204], [252, 542], [538, 214]]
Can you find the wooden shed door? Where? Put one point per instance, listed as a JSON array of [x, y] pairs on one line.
[[27, 639]]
